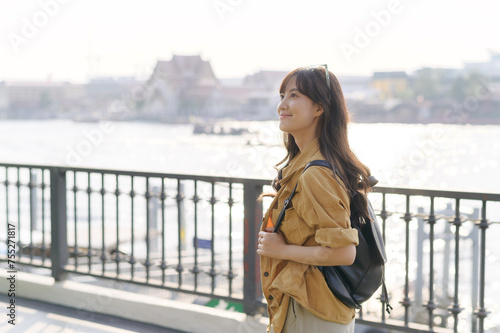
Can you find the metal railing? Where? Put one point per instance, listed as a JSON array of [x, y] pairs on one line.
[[198, 235]]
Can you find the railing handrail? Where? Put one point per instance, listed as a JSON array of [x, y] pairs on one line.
[[467, 195], [152, 174], [453, 194]]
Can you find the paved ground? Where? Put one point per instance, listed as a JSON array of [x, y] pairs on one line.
[[39, 317]]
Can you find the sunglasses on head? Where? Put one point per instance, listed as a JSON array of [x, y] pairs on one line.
[[327, 73]]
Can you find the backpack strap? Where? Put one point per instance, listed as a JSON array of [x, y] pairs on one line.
[[289, 199], [385, 296]]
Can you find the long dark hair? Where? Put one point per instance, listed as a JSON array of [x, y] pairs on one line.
[[333, 140]]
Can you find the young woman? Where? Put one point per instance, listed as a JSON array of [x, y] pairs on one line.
[[316, 229]]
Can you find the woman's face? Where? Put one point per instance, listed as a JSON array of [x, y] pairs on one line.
[[298, 114]]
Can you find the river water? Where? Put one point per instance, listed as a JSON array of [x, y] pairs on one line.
[[432, 156], [436, 156]]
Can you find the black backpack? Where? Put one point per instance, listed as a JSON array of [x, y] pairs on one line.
[[356, 283]]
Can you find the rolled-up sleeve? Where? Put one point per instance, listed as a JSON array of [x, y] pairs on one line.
[[336, 237], [324, 205]]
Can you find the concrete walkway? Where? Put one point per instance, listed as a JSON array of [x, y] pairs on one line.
[[80, 307], [38, 317]]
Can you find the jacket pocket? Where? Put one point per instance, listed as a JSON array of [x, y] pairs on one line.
[[289, 227]]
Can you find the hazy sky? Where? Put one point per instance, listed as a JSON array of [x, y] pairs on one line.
[[77, 39]]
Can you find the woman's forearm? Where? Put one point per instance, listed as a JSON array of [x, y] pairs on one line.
[[320, 255], [272, 244]]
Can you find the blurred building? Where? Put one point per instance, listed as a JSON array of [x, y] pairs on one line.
[[179, 88], [490, 69], [102, 91], [111, 98], [186, 87], [31, 99], [390, 84], [356, 88], [38, 99], [4, 98], [255, 97]]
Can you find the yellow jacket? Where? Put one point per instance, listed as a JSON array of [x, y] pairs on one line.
[[319, 216]]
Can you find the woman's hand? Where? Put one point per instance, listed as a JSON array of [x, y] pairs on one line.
[[271, 244]]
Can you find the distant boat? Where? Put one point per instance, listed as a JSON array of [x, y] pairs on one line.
[[218, 129], [87, 118]]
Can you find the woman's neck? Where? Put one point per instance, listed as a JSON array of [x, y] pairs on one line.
[[302, 141], [306, 135]]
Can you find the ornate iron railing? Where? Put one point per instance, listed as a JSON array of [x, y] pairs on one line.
[[198, 234]]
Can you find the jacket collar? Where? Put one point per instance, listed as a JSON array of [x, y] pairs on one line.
[[300, 160]]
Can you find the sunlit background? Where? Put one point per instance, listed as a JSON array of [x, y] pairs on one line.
[[190, 87], [86, 39]]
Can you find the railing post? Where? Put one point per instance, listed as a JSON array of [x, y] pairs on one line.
[[59, 239], [475, 269], [431, 305], [406, 302], [35, 225], [252, 220], [419, 282], [481, 312], [154, 207], [446, 261]]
